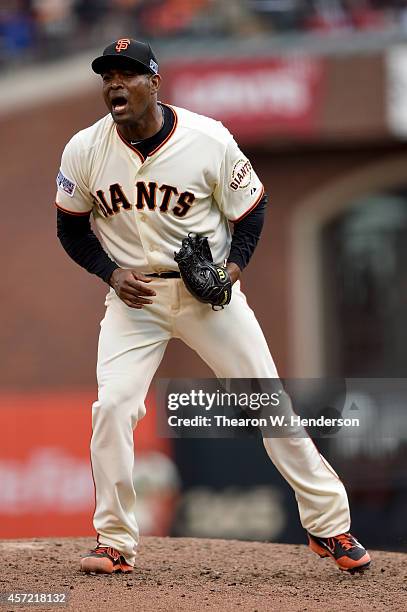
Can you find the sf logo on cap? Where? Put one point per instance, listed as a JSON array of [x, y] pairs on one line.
[[122, 44]]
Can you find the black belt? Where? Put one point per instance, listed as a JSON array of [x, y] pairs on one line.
[[166, 275]]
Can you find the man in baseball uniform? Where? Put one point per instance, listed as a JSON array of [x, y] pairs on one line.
[[149, 174]]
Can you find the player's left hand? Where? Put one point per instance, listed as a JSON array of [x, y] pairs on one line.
[[234, 271]]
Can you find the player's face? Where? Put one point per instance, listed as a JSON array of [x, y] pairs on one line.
[[128, 93]]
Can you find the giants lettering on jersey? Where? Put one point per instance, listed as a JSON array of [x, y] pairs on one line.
[[241, 175], [148, 196]]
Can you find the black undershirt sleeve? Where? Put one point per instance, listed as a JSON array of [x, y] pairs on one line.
[[82, 245], [246, 235]]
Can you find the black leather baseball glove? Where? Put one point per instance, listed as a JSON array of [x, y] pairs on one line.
[[207, 281]]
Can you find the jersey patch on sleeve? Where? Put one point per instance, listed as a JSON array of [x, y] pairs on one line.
[[65, 184], [241, 175]]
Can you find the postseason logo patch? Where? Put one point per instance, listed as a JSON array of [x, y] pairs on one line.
[[65, 184], [241, 175]]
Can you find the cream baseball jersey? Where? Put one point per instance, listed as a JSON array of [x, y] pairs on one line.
[[195, 181]]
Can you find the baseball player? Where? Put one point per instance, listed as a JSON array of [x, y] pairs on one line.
[[150, 174]]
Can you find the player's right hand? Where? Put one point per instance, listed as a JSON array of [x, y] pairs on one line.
[[130, 287]]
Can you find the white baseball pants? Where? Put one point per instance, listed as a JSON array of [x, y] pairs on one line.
[[131, 346]]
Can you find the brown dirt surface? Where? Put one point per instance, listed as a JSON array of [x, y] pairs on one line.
[[202, 575]]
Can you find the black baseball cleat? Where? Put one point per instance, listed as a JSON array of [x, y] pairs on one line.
[[104, 560], [344, 549]]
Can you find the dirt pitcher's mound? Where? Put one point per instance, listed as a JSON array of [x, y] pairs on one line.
[[189, 574]]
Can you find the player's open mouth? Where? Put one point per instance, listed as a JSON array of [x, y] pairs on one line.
[[119, 104]]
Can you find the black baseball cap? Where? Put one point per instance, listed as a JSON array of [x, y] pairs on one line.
[[128, 51]]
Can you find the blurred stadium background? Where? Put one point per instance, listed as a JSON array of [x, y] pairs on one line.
[[315, 92]]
